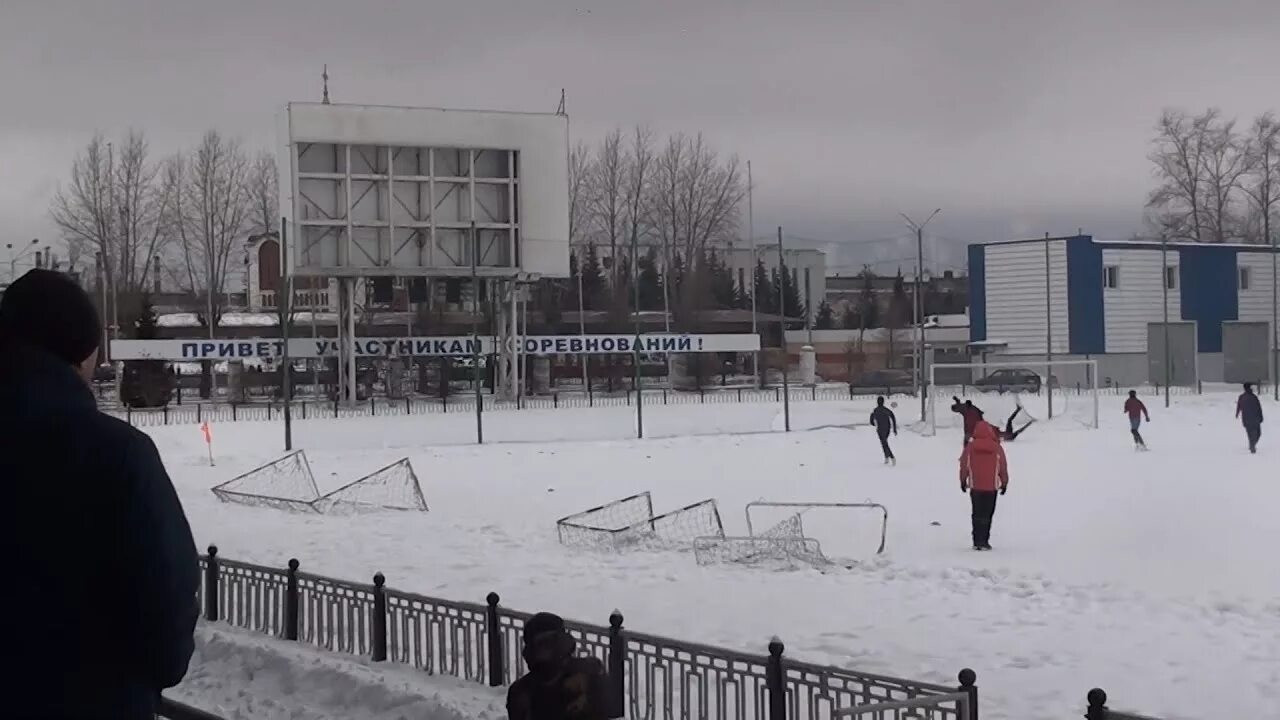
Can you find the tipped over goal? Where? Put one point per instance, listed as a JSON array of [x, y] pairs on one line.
[[1043, 391]]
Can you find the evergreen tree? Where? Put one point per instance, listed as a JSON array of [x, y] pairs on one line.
[[868, 308], [775, 291], [650, 281], [569, 298], [723, 292], [826, 317], [851, 319], [593, 281], [763, 287], [795, 302], [146, 383]]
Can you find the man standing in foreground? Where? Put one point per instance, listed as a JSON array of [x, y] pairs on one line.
[[100, 608], [559, 686], [1134, 408], [884, 420], [983, 473], [1249, 411]]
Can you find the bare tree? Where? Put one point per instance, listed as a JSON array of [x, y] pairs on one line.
[[608, 197], [263, 189], [580, 176], [112, 207], [1179, 158], [1262, 184], [1225, 163], [210, 215]]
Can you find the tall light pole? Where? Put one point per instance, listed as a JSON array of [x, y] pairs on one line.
[[1048, 325], [783, 279], [1164, 293], [1275, 303], [751, 232], [919, 306]]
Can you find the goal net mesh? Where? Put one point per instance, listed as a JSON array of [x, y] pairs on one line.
[[674, 530], [600, 526], [1011, 395], [285, 484], [781, 546], [394, 487]]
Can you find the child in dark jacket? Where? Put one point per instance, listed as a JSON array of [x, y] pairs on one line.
[[559, 686]]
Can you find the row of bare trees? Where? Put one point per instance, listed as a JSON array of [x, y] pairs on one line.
[[1217, 181], [675, 198], [137, 219]]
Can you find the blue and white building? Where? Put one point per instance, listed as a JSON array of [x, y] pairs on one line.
[[1083, 298]]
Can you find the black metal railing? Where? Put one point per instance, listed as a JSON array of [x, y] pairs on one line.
[[652, 676], [173, 710]]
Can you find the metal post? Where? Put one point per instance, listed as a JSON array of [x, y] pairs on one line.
[[751, 231], [352, 393], [1048, 325], [1164, 292], [286, 370], [635, 350], [475, 339], [782, 328], [918, 380], [582, 323], [1275, 344]]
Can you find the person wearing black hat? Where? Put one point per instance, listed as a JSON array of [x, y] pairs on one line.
[[558, 686], [99, 610]]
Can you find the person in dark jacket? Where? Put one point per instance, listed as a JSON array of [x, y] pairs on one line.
[[1009, 434], [559, 686], [1136, 410], [99, 607], [1249, 412], [969, 413], [884, 420]]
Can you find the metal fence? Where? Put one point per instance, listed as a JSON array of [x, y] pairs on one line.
[[465, 404], [652, 677]]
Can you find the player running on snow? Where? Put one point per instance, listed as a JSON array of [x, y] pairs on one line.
[[1134, 408], [884, 420], [983, 473], [971, 414], [1009, 434], [1249, 411]]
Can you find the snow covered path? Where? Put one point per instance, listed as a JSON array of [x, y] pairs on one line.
[[1151, 575], [239, 675]]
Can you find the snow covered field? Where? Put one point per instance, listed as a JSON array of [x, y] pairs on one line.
[[1151, 575]]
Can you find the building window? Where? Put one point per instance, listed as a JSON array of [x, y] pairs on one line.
[[1111, 276], [1171, 277], [1244, 278]]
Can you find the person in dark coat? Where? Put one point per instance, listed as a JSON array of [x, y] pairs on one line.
[[969, 413], [559, 686], [99, 606], [1249, 412], [884, 420], [1009, 434]]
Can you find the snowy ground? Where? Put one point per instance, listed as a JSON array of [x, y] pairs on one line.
[[1151, 575], [238, 675]]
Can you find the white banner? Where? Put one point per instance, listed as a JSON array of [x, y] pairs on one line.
[[464, 345]]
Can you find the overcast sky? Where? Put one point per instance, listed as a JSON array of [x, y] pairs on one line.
[[1016, 117]]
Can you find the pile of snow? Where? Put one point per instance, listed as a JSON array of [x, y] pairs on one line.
[[242, 676]]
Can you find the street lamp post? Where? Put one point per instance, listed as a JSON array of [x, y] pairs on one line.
[[919, 306]]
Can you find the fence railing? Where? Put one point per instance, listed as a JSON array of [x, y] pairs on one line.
[[173, 710], [385, 407], [652, 676]]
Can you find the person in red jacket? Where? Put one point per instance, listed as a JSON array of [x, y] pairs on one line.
[[969, 413], [1134, 408], [983, 474]]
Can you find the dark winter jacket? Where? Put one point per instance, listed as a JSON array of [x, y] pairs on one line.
[[884, 420], [1249, 409], [577, 691], [99, 604], [970, 414]]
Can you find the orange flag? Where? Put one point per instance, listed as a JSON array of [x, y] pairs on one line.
[[208, 439]]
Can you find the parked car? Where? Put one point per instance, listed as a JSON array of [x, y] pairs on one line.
[[887, 381], [1017, 380]]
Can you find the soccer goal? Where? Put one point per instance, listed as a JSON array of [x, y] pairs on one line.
[[781, 546], [394, 487], [601, 526], [1018, 392], [285, 484], [844, 514]]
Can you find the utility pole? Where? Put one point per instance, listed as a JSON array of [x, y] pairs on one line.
[[1164, 292], [782, 333], [286, 376], [635, 354], [918, 309], [1275, 303], [1048, 326], [583, 359], [751, 231], [475, 338]]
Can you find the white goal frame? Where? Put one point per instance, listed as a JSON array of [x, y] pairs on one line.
[[1092, 365]]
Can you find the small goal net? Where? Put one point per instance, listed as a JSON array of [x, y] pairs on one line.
[[394, 487], [1012, 395], [284, 484], [630, 523], [600, 526]]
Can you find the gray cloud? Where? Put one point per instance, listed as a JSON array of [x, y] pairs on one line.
[[1016, 117]]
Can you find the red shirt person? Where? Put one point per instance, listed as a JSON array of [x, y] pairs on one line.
[[984, 472], [1136, 411]]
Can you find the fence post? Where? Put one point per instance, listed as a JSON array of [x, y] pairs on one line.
[[408, 409], [211, 585], [664, 396], [702, 393], [813, 392], [199, 409], [233, 412], [739, 394], [774, 681], [304, 409], [166, 414], [777, 396], [617, 664], [291, 601], [128, 414], [628, 398], [555, 400], [968, 680], [379, 618], [493, 631], [1097, 705], [373, 409]]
